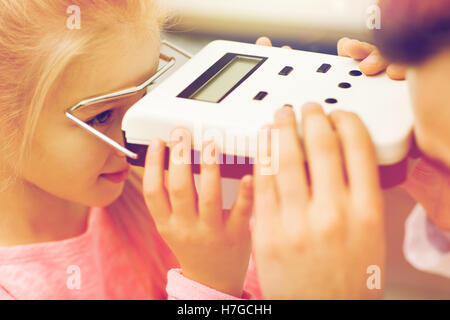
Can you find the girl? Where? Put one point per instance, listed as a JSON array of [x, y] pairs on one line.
[[73, 222]]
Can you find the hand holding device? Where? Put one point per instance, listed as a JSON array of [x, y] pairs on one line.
[[212, 246], [319, 233]]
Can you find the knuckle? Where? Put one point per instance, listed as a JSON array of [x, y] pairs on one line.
[[322, 141], [177, 191], [151, 191], [208, 203], [370, 218], [298, 241], [332, 226], [332, 232], [371, 222], [270, 249]]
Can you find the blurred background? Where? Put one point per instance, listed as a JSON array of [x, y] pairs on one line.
[[306, 24], [312, 25]]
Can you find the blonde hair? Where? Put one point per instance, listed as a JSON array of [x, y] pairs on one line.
[[36, 46]]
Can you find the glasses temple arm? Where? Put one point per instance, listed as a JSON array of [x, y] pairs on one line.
[[103, 137]]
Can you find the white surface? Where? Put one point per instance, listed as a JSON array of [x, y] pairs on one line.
[[307, 19], [387, 116]]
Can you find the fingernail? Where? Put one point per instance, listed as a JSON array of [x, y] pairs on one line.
[[372, 59], [310, 106], [154, 145], [177, 135], [285, 112]]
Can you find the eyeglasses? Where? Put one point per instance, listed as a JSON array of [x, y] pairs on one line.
[[140, 91]]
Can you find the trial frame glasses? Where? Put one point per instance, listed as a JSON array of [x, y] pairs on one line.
[[144, 87]]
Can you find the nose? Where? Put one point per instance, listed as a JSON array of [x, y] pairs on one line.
[[119, 153], [117, 135]]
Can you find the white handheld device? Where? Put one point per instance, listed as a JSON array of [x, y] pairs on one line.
[[233, 89]]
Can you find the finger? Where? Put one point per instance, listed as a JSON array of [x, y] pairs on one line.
[[291, 178], [181, 187], [359, 50], [354, 49], [396, 72], [322, 152], [265, 189], [264, 41], [359, 154], [242, 208], [287, 47], [373, 64], [341, 47], [155, 192], [210, 198]]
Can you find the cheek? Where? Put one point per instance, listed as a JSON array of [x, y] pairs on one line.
[[70, 161], [81, 164], [432, 119]]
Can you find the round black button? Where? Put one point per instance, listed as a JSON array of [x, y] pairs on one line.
[[331, 101], [345, 85], [355, 73]]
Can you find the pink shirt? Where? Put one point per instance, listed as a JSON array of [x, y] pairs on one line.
[[97, 265]]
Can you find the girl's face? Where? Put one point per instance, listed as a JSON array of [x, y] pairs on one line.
[[65, 160], [430, 87]]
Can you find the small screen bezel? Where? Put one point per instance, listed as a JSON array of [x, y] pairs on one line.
[[214, 70]]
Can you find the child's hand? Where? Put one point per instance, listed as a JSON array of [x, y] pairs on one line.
[[264, 41], [316, 234], [430, 186], [372, 62], [212, 247]]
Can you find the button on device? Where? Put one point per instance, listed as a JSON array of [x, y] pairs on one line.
[[344, 85], [331, 101], [286, 71], [260, 96], [355, 73], [324, 68]]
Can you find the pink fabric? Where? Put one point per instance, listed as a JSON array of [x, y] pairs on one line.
[[180, 288], [425, 247], [99, 262]]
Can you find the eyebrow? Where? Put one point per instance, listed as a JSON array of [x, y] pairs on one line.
[[89, 109], [124, 92]]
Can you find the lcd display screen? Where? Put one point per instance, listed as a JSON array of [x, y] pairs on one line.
[[226, 79]]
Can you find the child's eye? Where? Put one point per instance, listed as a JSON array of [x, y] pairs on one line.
[[101, 119]]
